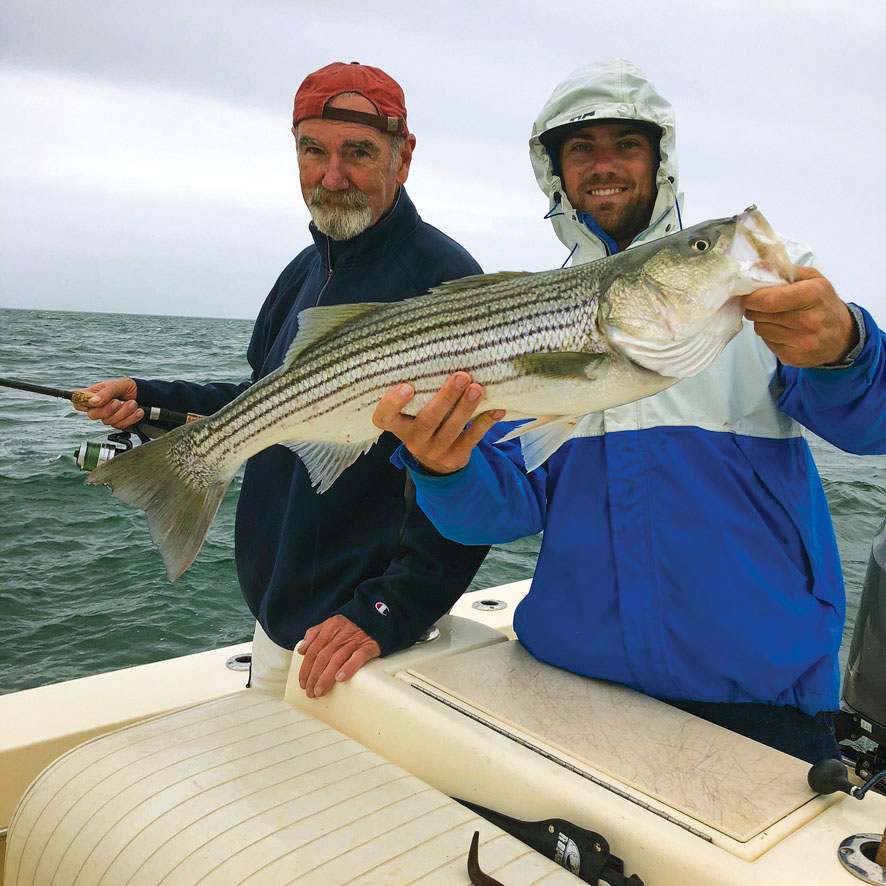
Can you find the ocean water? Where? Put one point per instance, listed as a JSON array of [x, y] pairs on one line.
[[82, 589]]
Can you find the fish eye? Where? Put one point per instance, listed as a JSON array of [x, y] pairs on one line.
[[701, 245]]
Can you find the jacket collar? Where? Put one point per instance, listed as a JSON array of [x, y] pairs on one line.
[[385, 235]]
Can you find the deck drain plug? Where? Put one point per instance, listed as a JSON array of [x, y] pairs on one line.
[[239, 662], [489, 605]]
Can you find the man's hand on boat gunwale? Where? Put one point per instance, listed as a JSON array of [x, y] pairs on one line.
[[333, 651]]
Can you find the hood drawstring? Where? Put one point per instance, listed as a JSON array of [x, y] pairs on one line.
[[590, 223], [553, 210], [571, 253]]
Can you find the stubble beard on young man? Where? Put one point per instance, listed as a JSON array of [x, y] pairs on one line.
[[625, 223], [340, 215]]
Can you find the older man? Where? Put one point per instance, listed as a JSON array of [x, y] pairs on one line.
[[359, 571], [688, 550]]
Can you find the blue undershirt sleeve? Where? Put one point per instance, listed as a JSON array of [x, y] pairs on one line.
[[845, 406], [492, 500]]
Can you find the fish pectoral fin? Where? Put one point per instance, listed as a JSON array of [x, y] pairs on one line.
[[315, 324], [541, 438], [325, 461], [562, 364]]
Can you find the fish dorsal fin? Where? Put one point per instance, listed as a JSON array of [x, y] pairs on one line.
[[541, 438], [560, 364], [326, 461], [316, 323], [478, 281]]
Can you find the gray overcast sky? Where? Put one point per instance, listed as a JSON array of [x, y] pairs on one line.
[[146, 163]]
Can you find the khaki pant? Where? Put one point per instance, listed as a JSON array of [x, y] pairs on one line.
[[270, 664]]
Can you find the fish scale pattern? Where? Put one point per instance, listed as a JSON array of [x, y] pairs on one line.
[[422, 340]]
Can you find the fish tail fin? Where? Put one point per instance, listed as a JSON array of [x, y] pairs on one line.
[[180, 504]]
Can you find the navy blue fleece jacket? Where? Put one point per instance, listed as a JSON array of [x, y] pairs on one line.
[[363, 549]]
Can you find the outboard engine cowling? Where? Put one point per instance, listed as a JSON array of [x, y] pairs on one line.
[[864, 686]]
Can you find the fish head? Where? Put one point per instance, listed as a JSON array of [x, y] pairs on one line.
[[679, 304]]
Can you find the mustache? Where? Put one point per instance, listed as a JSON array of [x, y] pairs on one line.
[[602, 181], [350, 198]]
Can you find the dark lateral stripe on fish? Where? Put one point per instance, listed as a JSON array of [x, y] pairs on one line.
[[395, 347], [374, 328], [415, 368], [234, 438]]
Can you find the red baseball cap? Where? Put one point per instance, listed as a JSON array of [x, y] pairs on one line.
[[372, 83]]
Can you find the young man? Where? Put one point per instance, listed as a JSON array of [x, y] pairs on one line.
[[688, 550], [358, 571]]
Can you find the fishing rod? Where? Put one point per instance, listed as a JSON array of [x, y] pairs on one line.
[[91, 454], [82, 398]]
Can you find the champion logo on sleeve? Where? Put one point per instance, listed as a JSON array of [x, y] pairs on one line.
[[382, 608]]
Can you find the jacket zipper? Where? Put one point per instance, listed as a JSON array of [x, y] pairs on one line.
[[329, 274]]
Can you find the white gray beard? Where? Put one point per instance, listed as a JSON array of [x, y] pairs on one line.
[[340, 222]]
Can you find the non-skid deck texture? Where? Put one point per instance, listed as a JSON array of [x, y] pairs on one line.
[[247, 790], [736, 786]]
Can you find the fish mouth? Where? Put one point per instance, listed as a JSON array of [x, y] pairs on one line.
[[759, 252]]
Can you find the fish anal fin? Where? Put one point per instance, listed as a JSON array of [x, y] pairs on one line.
[[541, 438], [560, 364], [326, 461], [315, 324], [537, 422]]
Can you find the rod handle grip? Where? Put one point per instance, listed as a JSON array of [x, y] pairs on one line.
[[82, 398]]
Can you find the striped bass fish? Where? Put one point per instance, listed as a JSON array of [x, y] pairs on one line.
[[550, 346]]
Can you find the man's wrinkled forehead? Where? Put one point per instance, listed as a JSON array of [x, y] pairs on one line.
[[307, 139]]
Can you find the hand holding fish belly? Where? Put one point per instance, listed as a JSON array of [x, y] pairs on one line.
[[551, 346], [439, 437], [803, 323]]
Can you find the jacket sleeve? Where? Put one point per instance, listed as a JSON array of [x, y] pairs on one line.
[[846, 407], [423, 581], [491, 500], [184, 396], [448, 528]]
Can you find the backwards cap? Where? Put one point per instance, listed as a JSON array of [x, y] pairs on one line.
[[372, 83]]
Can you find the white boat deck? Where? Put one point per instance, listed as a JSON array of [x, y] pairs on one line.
[[244, 787], [248, 790]]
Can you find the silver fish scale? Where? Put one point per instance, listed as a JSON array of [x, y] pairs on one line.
[[422, 340]]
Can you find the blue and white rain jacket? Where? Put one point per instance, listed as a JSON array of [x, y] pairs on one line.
[[688, 550]]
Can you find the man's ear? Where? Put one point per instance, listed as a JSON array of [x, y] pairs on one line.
[[405, 158]]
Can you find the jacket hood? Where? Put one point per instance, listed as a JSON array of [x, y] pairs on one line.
[[614, 89]]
